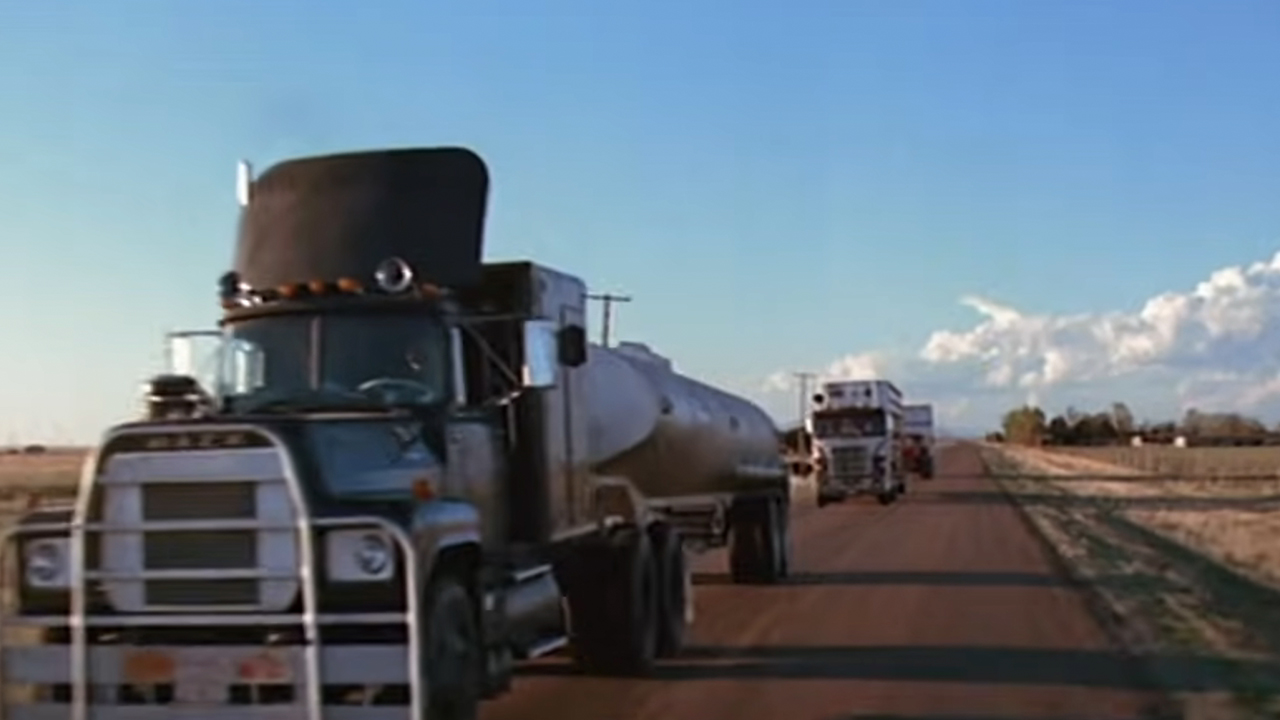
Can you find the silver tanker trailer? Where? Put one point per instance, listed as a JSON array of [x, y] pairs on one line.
[[406, 470]]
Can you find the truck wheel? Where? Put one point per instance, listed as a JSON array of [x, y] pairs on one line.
[[783, 508], [673, 578], [452, 652], [747, 548], [613, 612], [757, 551], [886, 497]]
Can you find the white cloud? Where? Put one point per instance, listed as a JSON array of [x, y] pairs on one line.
[[861, 366], [1215, 346]]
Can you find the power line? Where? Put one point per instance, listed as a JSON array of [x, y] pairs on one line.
[[608, 299]]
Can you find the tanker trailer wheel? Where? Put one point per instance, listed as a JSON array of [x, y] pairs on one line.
[[757, 552], [926, 470], [783, 536], [452, 652], [613, 608], [673, 589]]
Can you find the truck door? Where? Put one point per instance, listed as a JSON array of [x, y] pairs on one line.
[[575, 501]]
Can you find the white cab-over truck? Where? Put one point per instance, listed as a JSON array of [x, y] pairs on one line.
[[857, 431]]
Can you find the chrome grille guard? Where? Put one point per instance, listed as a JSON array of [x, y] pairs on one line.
[[76, 662]]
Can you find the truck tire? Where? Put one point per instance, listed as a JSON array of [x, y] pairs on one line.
[[673, 590], [757, 554], [613, 611], [452, 652], [747, 547], [783, 508]]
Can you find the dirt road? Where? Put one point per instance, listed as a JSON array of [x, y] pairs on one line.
[[922, 610]]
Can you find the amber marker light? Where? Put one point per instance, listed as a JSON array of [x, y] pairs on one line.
[[423, 489]]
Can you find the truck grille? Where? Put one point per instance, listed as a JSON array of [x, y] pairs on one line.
[[195, 501], [849, 462], [197, 528]]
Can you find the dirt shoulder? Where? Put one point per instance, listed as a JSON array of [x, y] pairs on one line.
[[1160, 597], [1234, 522]]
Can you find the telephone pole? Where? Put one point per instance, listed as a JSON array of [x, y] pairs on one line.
[[608, 299], [802, 379]]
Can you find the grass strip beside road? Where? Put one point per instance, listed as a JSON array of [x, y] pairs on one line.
[[1168, 602]]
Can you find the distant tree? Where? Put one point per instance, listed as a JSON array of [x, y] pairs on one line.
[[1115, 426], [1122, 419], [1221, 428], [1097, 429], [1024, 425], [1192, 423], [1059, 431]]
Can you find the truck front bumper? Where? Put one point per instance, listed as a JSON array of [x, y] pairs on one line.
[[854, 485], [98, 670]]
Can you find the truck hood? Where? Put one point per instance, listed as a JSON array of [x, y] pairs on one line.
[[374, 459]]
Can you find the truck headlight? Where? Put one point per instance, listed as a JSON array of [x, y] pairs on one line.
[[359, 555], [45, 563]]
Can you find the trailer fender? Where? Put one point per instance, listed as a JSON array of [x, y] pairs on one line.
[[615, 500]]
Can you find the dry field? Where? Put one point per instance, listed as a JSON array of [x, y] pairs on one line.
[[1155, 549], [1234, 521], [51, 474], [27, 480], [1187, 462]]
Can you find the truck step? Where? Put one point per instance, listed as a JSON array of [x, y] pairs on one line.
[[544, 647], [524, 575]]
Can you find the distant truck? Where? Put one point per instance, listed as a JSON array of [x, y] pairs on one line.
[[917, 452], [857, 430]]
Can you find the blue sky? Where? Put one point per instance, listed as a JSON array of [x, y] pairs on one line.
[[779, 185]]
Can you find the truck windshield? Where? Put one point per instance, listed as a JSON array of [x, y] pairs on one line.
[[853, 422], [347, 360]]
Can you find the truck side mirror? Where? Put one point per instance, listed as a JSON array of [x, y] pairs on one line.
[[540, 354], [243, 367], [572, 345]]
